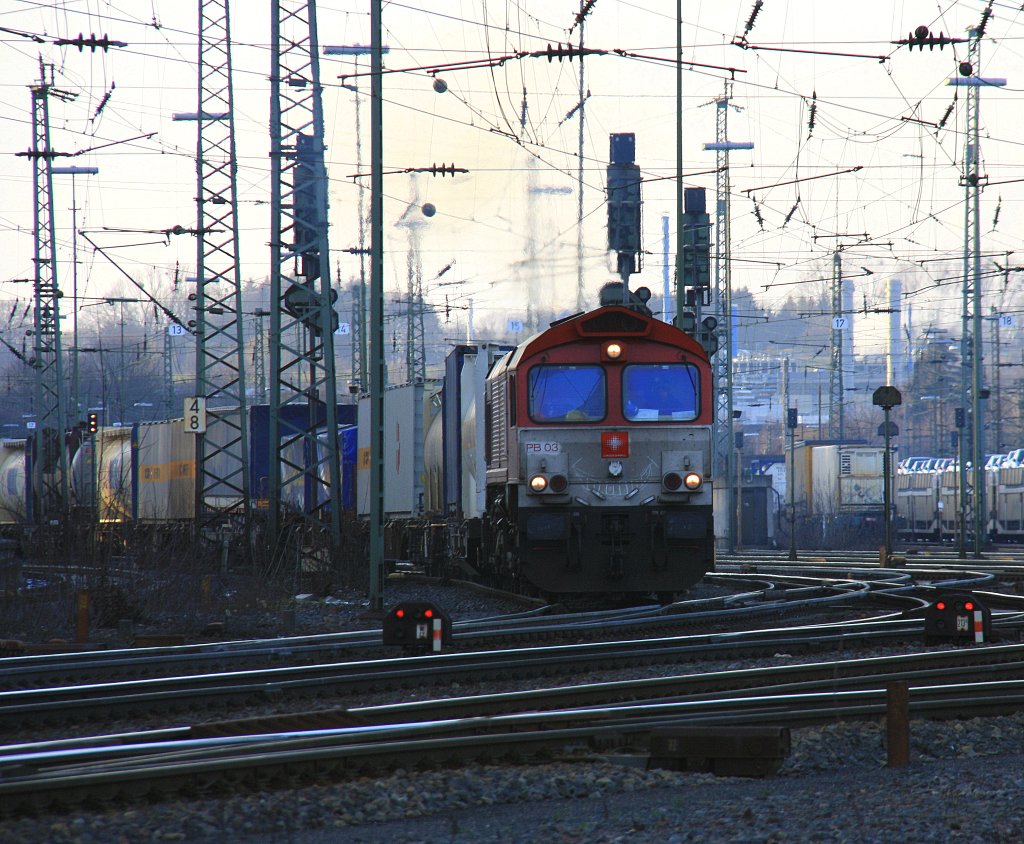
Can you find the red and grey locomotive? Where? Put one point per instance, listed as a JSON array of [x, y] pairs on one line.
[[575, 464], [598, 458]]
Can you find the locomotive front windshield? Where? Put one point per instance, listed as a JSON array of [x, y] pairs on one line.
[[567, 393], [660, 393]]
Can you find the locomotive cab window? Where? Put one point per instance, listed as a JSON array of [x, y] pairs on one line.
[[566, 393], [660, 393]]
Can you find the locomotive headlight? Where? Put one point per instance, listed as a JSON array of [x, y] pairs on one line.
[[672, 481], [613, 350], [559, 483], [538, 483], [693, 481]]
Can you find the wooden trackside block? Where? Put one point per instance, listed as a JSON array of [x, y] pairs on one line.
[[725, 751]]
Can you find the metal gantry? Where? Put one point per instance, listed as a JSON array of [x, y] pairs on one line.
[[222, 452], [304, 464], [49, 457]]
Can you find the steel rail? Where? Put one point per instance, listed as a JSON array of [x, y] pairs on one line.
[[768, 680], [33, 706], [1005, 564], [139, 770], [36, 671]]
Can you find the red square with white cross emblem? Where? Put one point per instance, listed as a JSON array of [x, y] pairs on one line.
[[614, 444]]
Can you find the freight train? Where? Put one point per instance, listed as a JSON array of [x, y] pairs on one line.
[[928, 506], [577, 463], [838, 494], [144, 473]]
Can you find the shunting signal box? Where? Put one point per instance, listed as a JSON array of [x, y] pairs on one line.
[[957, 617], [418, 626]]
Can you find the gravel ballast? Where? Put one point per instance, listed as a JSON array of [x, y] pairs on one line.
[[963, 784]]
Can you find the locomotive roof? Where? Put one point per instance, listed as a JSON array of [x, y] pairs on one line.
[[609, 322]]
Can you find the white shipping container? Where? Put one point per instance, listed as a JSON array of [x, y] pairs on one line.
[[846, 479], [403, 478]]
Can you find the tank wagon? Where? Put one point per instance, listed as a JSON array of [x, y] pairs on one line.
[[13, 500], [145, 473]]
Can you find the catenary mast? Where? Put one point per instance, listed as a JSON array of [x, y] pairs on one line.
[[304, 464], [222, 451]]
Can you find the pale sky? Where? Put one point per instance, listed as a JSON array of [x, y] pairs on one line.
[[901, 213]]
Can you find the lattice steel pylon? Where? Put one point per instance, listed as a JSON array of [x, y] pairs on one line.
[[222, 452], [415, 352], [972, 494], [360, 357], [724, 454], [169, 375], [836, 387], [50, 499], [259, 367], [304, 464]]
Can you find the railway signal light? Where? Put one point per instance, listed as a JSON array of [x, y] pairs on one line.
[[417, 626], [957, 617], [303, 302], [93, 422]]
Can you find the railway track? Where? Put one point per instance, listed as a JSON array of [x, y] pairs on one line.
[[523, 726], [25, 708], [745, 598], [591, 718], [1004, 563]]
